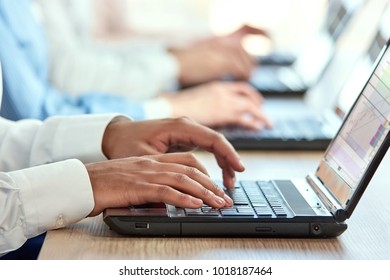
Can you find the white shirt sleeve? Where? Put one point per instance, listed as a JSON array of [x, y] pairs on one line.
[[48, 195], [28, 143], [77, 64], [41, 198]]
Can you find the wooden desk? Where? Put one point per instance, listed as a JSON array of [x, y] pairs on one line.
[[368, 235]]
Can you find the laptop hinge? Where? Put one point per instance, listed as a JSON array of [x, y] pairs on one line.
[[327, 198]]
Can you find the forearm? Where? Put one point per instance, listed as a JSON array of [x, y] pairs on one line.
[[138, 76]]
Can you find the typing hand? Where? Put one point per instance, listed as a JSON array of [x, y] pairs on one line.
[[124, 138], [216, 57], [221, 103], [177, 179], [212, 61]]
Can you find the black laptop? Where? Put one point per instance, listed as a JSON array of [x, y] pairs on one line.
[[283, 79], [296, 126], [315, 206]]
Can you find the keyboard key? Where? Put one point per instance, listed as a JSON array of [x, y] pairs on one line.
[[251, 198], [229, 212], [200, 212]]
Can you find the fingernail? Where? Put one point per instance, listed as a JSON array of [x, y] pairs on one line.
[[220, 200], [196, 201], [259, 126], [228, 200]]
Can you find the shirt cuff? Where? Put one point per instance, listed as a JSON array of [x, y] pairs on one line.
[[72, 137], [53, 195]]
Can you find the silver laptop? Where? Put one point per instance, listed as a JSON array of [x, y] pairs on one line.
[[338, 13], [296, 126], [317, 205], [297, 78], [309, 123]]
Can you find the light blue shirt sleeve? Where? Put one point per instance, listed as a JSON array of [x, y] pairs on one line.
[[27, 90]]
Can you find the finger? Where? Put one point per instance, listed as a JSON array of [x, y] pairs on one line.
[[229, 178], [194, 134], [176, 173], [260, 117], [191, 133], [194, 184], [166, 194], [224, 162], [251, 115], [247, 113], [159, 193], [178, 159], [248, 91], [249, 121]]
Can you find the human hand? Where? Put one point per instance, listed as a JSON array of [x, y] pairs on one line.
[[208, 62], [221, 103], [124, 138], [177, 179], [216, 57]]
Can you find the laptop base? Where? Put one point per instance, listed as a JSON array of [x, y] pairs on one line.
[[199, 227]]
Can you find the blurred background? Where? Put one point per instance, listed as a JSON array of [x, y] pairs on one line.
[[288, 22]]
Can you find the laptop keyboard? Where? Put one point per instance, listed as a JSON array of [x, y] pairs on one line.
[[275, 79], [302, 128], [251, 199]]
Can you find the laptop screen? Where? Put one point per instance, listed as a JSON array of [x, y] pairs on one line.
[[364, 66], [351, 152], [317, 52], [338, 14], [1, 85]]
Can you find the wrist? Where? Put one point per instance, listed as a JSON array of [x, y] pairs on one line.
[[110, 135]]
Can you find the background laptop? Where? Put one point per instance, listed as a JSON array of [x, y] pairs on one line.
[[1, 84], [309, 123], [364, 64], [297, 78], [295, 127], [337, 15], [315, 206]]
